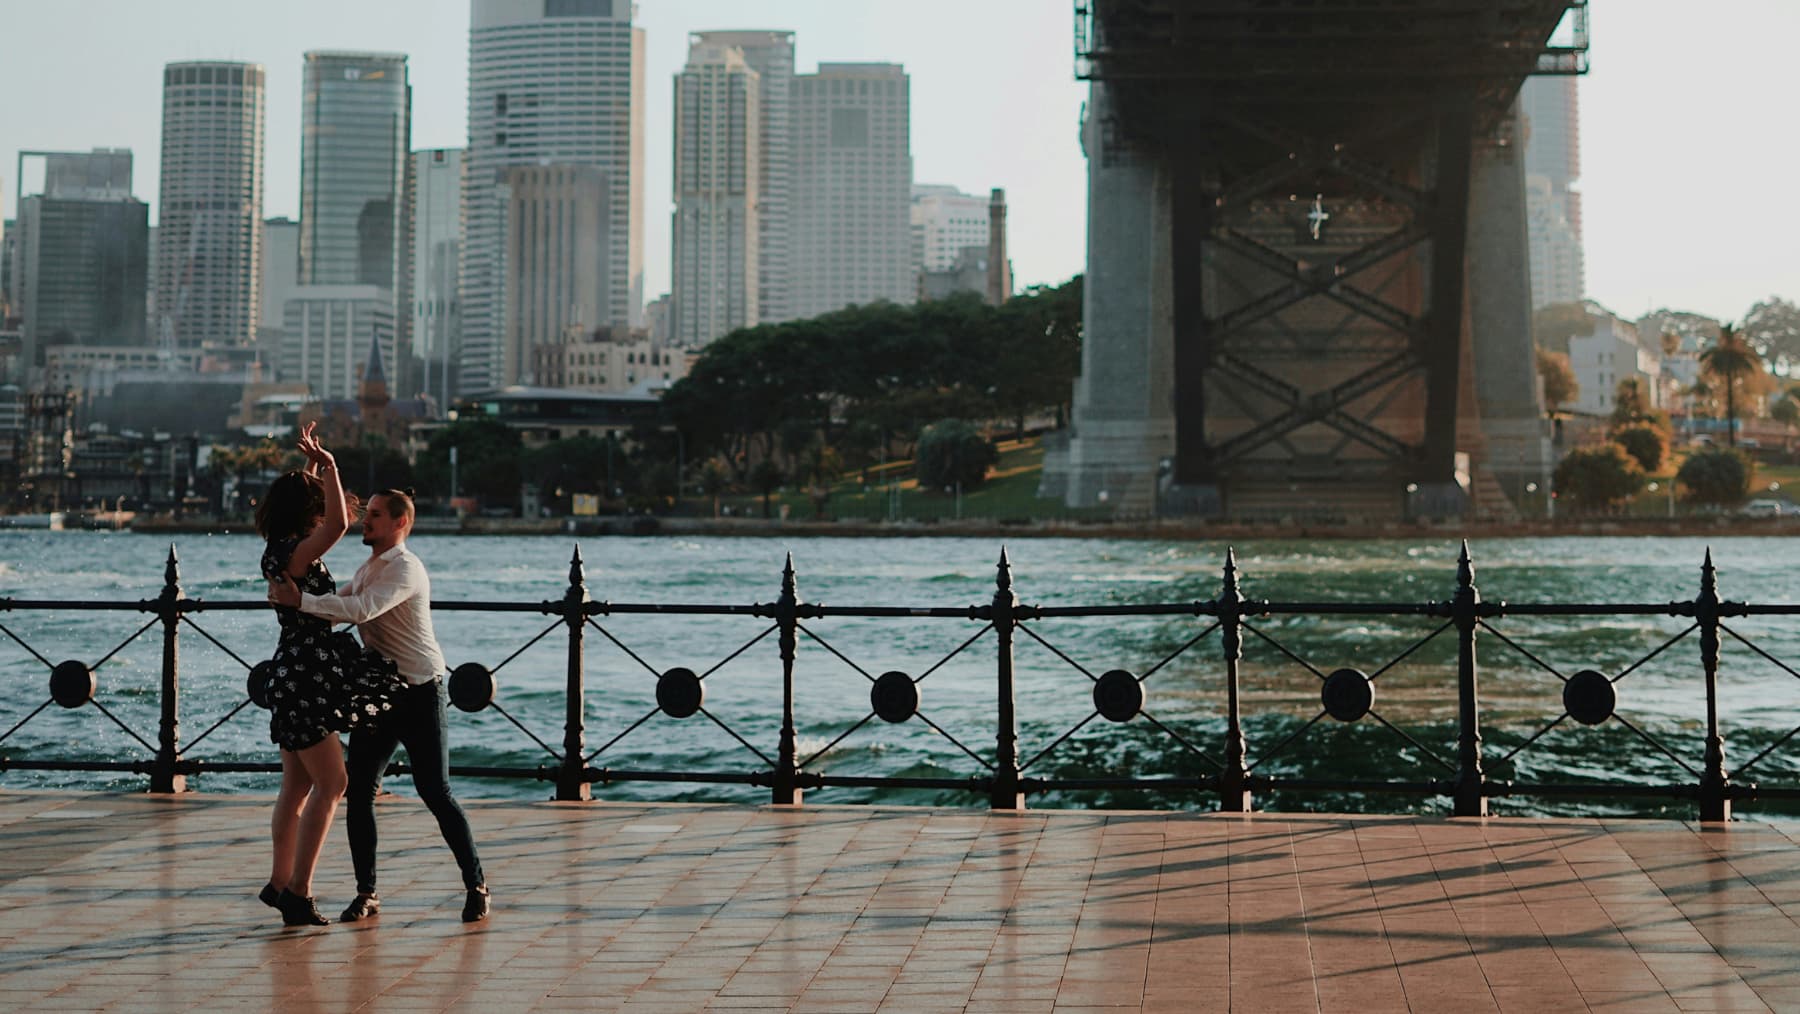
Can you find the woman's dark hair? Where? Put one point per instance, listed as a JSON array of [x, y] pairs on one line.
[[294, 503]]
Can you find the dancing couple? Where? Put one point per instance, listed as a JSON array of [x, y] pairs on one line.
[[386, 692]]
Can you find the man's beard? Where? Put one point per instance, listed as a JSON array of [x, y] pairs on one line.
[[368, 540]]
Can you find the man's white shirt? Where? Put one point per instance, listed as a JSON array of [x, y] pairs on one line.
[[389, 600]]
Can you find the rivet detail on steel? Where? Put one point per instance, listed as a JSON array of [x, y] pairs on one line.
[[471, 687], [1118, 696], [679, 692], [1347, 694], [1589, 697], [894, 696]]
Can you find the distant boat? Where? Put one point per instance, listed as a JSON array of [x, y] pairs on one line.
[[52, 521]]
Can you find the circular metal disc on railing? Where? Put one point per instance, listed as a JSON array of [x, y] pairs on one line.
[[679, 692], [1347, 694], [1589, 697], [894, 696], [1118, 696], [257, 684], [471, 687], [72, 684]]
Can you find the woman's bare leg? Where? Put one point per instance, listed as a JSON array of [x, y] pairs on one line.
[[324, 762], [295, 784]]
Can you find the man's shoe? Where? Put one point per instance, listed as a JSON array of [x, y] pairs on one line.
[[366, 906], [297, 910], [476, 907]]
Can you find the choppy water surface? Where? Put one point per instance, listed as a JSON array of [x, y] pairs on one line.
[[1760, 701]]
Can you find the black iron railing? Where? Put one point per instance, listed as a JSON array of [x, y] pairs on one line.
[[1234, 777]]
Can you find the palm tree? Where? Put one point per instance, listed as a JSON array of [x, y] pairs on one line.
[[1730, 358]]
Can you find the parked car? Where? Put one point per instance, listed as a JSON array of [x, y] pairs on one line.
[[1765, 508]]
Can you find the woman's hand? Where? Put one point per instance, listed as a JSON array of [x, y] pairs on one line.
[[315, 452]]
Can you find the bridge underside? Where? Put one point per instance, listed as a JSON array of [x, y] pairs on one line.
[[1307, 288]]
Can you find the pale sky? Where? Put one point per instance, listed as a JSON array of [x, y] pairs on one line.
[[1690, 155]]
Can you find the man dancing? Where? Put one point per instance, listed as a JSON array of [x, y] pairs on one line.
[[389, 600]]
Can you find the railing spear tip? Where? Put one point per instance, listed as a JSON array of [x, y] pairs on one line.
[[1463, 556]]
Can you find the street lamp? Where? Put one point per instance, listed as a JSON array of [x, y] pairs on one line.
[[1653, 488], [1411, 488]]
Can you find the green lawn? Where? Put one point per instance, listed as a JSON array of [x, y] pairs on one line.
[[1009, 494]]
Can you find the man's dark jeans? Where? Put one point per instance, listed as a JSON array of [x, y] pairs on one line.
[[417, 721]]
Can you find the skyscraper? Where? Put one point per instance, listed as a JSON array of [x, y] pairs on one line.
[[555, 253], [1552, 112], [852, 188], [551, 82], [354, 144], [718, 161], [209, 203], [82, 252], [437, 246], [771, 55]]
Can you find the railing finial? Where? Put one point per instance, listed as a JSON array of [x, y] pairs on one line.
[[172, 569], [1709, 575], [1231, 573], [788, 587], [1003, 579], [1465, 567], [577, 573]]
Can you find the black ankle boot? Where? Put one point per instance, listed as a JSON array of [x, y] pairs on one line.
[[298, 911], [269, 896]]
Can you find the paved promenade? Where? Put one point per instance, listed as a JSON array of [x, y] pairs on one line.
[[134, 903]]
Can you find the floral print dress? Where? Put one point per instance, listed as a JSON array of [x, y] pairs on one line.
[[324, 681]]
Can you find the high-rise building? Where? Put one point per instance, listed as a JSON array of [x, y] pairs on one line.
[[209, 204], [718, 157], [551, 82], [852, 188], [355, 151], [1551, 109], [944, 221], [437, 247], [326, 335], [556, 260], [280, 279], [81, 255], [771, 55]]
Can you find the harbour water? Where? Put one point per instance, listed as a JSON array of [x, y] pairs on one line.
[[1413, 730]]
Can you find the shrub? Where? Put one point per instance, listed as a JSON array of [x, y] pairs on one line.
[[952, 451], [1718, 477], [1645, 442], [1598, 476]]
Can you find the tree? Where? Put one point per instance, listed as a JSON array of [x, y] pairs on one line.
[[1646, 442], [766, 478], [1786, 409], [1552, 326], [1631, 405], [1772, 327], [1598, 477], [819, 468], [488, 457], [952, 452], [714, 480], [1731, 359], [1560, 386], [1717, 477]]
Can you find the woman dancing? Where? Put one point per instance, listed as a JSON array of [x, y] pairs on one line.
[[322, 683]]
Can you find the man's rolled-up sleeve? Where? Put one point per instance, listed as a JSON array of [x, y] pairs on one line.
[[394, 585]]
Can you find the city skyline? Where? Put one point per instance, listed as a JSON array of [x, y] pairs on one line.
[[1682, 180]]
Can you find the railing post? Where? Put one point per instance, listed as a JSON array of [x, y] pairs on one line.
[[1715, 785], [785, 786], [163, 774], [1234, 777], [571, 781], [1005, 794], [1471, 799]]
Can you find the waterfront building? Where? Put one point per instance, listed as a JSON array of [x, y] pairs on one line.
[[327, 331], [718, 157], [550, 82], [555, 228], [852, 188], [81, 255], [604, 362], [437, 248], [1550, 106], [209, 204], [1614, 352]]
